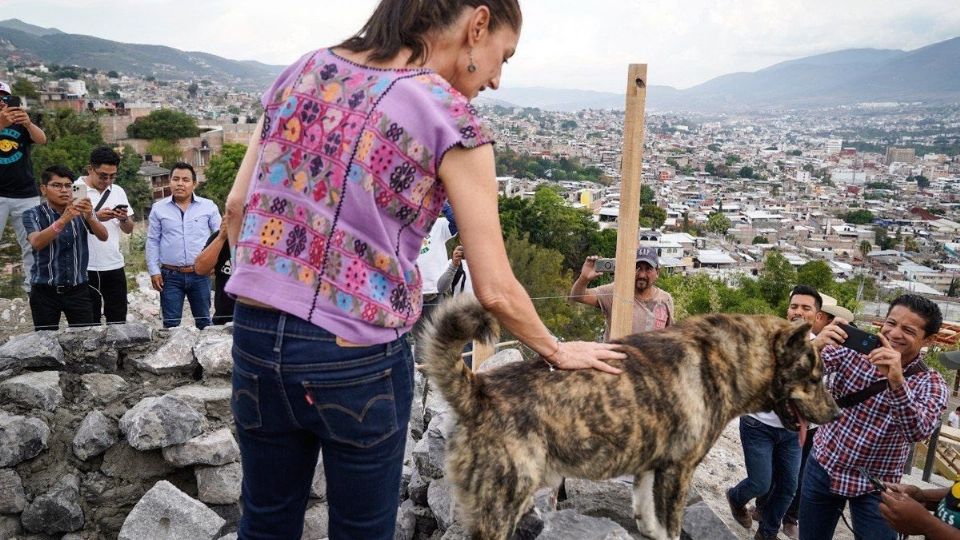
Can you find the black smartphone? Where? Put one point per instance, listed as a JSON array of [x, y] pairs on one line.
[[120, 207], [11, 101], [858, 340], [877, 484]]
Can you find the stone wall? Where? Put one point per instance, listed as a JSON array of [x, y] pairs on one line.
[[126, 431]]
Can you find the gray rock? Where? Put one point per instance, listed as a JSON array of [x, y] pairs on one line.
[[405, 475], [569, 525], [701, 523], [9, 526], [441, 504], [213, 353], [86, 351], [229, 512], [318, 487], [456, 532], [165, 513], [95, 434], [219, 485], [33, 350], [429, 452], [426, 524], [231, 536], [434, 405], [156, 422], [502, 358], [610, 499], [79, 340], [39, 390], [416, 409], [56, 511], [418, 488], [174, 356], [216, 448], [545, 500], [21, 438], [315, 522], [12, 498], [131, 334], [103, 387], [127, 463], [213, 401], [406, 522]]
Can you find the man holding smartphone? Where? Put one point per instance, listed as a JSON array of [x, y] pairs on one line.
[[18, 187], [107, 279], [890, 400]]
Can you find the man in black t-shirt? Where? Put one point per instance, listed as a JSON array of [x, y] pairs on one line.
[[18, 187], [215, 259]]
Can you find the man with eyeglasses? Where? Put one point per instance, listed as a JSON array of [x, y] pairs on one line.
[[18, 187], [57, 231], [652, 306], [106, 277]]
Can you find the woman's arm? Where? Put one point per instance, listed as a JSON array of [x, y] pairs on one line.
[[241, 185], [470, 181]]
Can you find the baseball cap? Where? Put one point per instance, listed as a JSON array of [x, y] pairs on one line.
[[648, 255], [4, 87], [838, 311]]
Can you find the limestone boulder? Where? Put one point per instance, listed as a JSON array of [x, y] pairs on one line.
[[12, 497], [95, 434], [36, 390], [215, 448], [21, 438], [103, 387], [156, 422], [33, 350], [165, 512], [570, 525], [56, 511], [219, 485], [174, 356], [213, 353]]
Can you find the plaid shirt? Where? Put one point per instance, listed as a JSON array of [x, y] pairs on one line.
[[876, 433]]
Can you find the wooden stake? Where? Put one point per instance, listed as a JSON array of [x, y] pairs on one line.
[[628, 220], [481, 351]]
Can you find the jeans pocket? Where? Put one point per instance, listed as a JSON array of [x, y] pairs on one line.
[[245, 401], [750, 421], [361, 412]]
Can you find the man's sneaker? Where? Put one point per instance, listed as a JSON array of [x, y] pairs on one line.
[[739, 513], [791, 530]]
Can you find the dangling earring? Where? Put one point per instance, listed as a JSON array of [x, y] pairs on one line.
[[472, 68]]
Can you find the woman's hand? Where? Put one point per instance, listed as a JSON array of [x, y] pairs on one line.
[[586, 354]]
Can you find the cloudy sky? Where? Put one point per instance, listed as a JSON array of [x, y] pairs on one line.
[[584, 44]]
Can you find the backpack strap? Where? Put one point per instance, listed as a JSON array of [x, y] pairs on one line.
[[855, 398]]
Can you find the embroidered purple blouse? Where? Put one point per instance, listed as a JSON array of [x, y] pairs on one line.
[[344, 191]]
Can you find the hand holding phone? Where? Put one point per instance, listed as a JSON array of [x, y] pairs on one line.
[[876, 482], [858, 340], [79, 191], [11, 101]]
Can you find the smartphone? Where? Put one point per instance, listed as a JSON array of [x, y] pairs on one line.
[[79, 191], [11, 101], [605, 266], [120, 207], [858, 340], [877, 484]]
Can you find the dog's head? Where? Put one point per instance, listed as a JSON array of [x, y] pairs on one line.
[[798, 392]]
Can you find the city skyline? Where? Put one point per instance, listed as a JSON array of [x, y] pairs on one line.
[[683, 49]]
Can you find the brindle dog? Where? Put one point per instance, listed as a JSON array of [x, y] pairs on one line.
[[524, 426]]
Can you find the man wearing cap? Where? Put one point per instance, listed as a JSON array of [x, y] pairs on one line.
[[652, 306], [18, 188]]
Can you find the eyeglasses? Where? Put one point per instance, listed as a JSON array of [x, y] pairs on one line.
[[105, 176], [59, 186]]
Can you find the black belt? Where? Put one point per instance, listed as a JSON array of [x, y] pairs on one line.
[[58, 289]]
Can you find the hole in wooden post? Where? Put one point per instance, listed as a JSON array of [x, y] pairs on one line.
[[640, 82]]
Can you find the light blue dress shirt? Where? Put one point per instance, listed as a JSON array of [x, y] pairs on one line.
[[176, 237]]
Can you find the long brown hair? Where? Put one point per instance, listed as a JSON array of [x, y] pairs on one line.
[[396, 24]]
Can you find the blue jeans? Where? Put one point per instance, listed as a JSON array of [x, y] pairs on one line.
[[295, 392], [176, 286], [820, 509], [772, 457]]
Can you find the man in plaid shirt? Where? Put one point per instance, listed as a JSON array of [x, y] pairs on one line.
[[875, 434]]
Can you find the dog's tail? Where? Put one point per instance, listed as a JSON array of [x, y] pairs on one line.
[[454, 323]]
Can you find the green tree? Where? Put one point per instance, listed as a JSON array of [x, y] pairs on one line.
[[70, 138], [816, 274], [62, 122], [25, 89], [746, 172], [865, 248], [138, 189], [760, 240], [221, 172], [113, 74], [168, 151], [652, 216], [192, 90], [718, 223], [922, 181], [647, 195], [954, 289], [859, 217], [164, 124], [710, 169], [776, 279]]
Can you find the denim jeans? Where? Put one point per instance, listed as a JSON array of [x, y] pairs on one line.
[[295, 393], [176, 286], [820, 509], [14, 208], [772, 457]]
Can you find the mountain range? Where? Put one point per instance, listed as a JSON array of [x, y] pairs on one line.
[[929, 74]]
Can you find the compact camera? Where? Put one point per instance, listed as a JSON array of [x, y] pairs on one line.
[[605, 266], [11, 101]]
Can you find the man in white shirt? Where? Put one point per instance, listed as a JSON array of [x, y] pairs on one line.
[[954, 419], [106, 277]]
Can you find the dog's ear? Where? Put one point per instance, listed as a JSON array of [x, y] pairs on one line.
[[793, 342]]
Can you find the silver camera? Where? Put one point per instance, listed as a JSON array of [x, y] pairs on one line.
[[605, 265]]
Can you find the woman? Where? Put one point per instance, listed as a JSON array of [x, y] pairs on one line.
[[358, 149]]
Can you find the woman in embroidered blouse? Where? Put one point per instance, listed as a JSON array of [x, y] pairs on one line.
[[358, 149]]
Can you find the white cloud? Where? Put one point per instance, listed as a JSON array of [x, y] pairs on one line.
[[565, 43]]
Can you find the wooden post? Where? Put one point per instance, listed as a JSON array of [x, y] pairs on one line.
[[628, 219], [481, 351]]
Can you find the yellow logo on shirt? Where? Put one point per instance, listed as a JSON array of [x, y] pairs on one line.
[[8, 145]]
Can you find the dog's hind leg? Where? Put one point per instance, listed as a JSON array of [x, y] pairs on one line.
[[645, 508], [502, 497], [670, 497]]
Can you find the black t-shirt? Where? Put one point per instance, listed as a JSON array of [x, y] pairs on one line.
[[16, 170], [222, 303]]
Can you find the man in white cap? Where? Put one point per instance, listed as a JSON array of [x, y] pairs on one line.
[[18, 187], [652, 306]]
